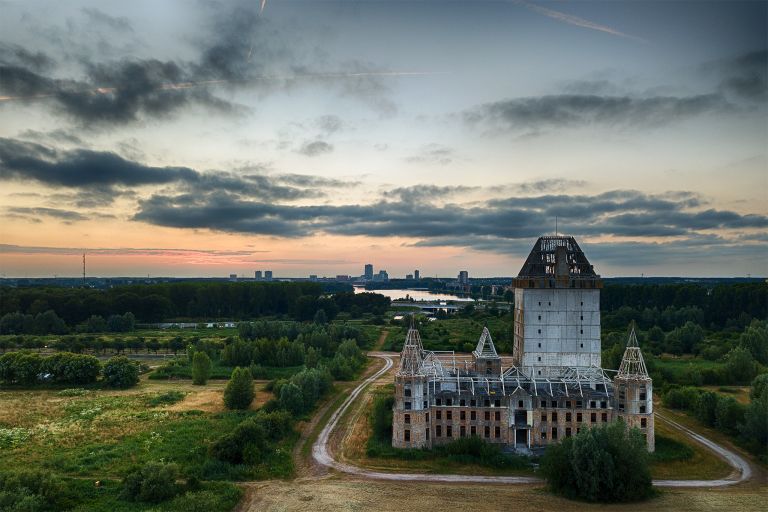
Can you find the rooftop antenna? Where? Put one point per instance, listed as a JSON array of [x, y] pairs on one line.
[[83, 268]]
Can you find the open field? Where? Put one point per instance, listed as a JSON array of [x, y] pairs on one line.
[[344, 495]]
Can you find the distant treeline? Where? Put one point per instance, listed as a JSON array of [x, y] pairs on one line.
[[190, 300], [724, 305]]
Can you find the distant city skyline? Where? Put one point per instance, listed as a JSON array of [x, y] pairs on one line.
[[203, 139]]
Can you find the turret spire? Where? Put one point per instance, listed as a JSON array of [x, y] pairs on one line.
[[633, 364]]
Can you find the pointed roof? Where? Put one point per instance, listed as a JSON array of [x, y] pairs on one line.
[[633, 364], [543, 261], [485, 347], [412, 355]]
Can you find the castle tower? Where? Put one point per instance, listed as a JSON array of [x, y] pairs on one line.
[[487, 360], [557, 309], [410, 412], [633, 390]]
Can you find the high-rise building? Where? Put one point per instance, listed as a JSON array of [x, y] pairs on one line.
[[268, 275], [368, 272], [409, 277], [257, 275], [416, 275], [233, 277], [381, 276], [463, 277]]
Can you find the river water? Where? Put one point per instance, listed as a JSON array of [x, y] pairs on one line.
[[417, 295]]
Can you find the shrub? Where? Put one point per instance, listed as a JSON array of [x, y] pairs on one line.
[[606, 464], [239, 391], [681, 398], [152, 483], [68, 368], [251, 438], [754, 430], [121, 372], [728, 414], [201, 368], [31, 491], [759, 386], [291, 399]]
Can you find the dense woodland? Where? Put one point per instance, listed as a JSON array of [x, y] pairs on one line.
[[62, 310]]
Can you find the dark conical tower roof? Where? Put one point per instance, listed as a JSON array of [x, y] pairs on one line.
[[557, 262], [545, 259]]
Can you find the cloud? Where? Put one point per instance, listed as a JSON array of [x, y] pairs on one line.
[[113, 23], [105, 174], [67, 216], [550, 185], [428, 193], [744, 77], [433, 153], [329, 124], [620, 213], [119, 251], [578, 110], [14, 55], [315, 148]]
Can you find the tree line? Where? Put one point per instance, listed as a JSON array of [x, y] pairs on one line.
[[31, 369], [748, 423], [717, 307], [62, 310]]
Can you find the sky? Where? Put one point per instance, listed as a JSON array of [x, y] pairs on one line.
[[208, 138]]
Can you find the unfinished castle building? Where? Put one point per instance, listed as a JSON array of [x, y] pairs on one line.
[[552, 387]]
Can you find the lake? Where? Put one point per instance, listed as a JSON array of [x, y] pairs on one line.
[[417, 295]]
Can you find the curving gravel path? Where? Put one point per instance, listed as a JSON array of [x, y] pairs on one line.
[[322, 455]]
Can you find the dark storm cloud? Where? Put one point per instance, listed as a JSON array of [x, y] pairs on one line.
[[57, 135], [315, 148], [307, 180], [579, 109], [102, 175], [617, 213], [11, 54]]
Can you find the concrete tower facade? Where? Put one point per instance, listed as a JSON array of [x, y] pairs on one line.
[[557, 309]]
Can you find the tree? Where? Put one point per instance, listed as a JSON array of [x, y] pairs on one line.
[[291, 399], [759, 386], [320, 317], [239, 391], [755, 339], [201, 368], [754, 430], [153, 483], [706, 407], [121, 372], [606, 464], [740, 365], [728, 414]]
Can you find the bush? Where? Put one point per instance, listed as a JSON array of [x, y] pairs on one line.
[[121, 372], [153, 483], [68, 368], [291, 399], [607, 464], [728, 414], [251, 438], [20, 368], [759, 386], [754, 430], [201, 368], [31, 491], [239, 391], [681, 398]]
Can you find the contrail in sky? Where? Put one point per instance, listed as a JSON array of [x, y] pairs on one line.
[[263, 5], [576, 21], [203, 83]]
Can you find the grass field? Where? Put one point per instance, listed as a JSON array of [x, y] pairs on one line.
[[88, 435]]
